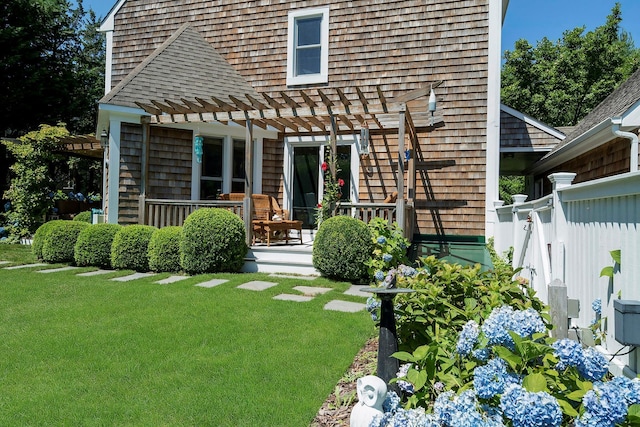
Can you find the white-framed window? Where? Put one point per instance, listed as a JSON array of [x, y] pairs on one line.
[[308, 46]]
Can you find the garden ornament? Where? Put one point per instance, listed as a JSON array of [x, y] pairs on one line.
[[371, 394]]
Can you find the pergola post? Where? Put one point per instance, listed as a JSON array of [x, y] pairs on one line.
[[333, 146], [144, 168], [401, 136], [248, 183]]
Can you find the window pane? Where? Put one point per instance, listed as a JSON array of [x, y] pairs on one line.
[[212, 157], [238, 158], [344, 170], [308, 61], [308, 31], [210, 190], [237, 186]]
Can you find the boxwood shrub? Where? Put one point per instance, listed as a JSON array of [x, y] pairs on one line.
[[83, 216], [164, 249], [213, 240], [93, 246], [342, 247], [40, 234], [130, 247], [58, 243]]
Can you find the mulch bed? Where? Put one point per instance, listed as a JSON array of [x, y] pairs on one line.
[[336, 410]]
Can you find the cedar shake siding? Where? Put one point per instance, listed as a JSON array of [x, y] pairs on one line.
[[130, 173], [169, 175], [397, 45], [607, 160]]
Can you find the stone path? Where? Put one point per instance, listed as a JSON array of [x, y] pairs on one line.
[[306, 293]]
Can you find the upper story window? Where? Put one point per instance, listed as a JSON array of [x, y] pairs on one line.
[[308, 46]]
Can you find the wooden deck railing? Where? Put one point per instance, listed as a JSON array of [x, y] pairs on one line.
[[165, 212]]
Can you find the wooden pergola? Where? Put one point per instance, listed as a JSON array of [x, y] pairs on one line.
[[309, 112]]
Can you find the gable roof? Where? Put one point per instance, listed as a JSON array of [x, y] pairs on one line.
[[184, 66], [521, 132]]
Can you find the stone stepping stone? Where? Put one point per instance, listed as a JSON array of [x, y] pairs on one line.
[[355, 290], [311, 290], [295, 298], [286, 276], [5, 262], [171, 279], [212, 283], [95, 273], [133, 276], [57, 270], [344, 306], [257, 285], [15, 267]]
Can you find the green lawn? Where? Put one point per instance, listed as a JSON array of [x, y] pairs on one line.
[[90, 351]]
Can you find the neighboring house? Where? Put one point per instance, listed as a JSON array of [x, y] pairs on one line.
[[604, 143], [524, 140], [272, 83]]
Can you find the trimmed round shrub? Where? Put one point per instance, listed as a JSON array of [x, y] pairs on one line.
[[83, 216], [342, 246], [58, 244], [130, 246], [213, 240], [93, 246], [40, 234], [164, 249]]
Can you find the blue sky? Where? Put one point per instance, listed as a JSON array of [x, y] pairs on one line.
[[528, 19]]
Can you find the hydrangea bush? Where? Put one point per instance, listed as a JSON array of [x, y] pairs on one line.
[[519, 377], [389, 248]]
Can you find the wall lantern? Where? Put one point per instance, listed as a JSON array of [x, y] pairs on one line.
[[364, 141], [104, 139], [198, 140], [432, 103]]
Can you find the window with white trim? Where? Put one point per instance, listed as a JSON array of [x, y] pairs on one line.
[[308, 46]]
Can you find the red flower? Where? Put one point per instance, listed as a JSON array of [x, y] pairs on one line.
[[324, 166], [340, 182], [319, 205]]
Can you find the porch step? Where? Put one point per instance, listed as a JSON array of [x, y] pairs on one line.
[[292, 259]]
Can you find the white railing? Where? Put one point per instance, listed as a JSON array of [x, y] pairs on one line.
[[569, 236]]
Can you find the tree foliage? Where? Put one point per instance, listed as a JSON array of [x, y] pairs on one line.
[[32, 178], [559, 83], [51, 66]]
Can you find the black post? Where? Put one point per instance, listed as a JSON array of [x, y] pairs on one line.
[[388, 344]]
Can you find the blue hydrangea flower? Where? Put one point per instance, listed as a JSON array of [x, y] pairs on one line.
[[527, 322], [379, 276], [481, 354], [462, 411], [405, 418], [630, 389], [596, 305], [402, 373], [568, 352], [372, 307], [594, 365], [526, 409], [497, 325], [604, 404], [468, 338], [387, 257], [407, 271], [391, 402], [381, 240], [492, 379]]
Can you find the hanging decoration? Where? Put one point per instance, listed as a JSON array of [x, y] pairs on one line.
[[198, 141]]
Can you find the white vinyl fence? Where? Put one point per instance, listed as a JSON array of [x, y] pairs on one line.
[[568, 236]]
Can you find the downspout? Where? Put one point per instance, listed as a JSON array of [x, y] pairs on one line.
[[633, 167]]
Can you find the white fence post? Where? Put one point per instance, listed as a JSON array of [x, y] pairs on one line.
[[518, 242], [559, 180]]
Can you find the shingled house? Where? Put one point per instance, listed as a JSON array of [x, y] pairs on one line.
[[211, 97], [603, 144]]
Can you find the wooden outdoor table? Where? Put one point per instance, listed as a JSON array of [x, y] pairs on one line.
[[266, 230]]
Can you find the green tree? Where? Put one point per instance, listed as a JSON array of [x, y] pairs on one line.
[[560, 83], [510, 185], [32, 178], [51, 66]]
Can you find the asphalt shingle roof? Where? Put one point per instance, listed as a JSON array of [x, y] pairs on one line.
[[616, 104], [184, 66]]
